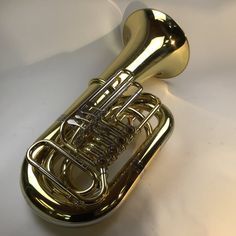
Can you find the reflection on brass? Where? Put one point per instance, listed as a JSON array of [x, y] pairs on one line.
[[81, 168]]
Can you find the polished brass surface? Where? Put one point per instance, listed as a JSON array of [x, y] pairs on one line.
[[78, 171]]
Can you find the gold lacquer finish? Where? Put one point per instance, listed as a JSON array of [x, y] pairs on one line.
[[81, 168]]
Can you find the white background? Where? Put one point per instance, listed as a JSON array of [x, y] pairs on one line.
[[48, 52]]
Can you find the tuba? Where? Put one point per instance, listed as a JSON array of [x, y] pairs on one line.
[[86, 163]]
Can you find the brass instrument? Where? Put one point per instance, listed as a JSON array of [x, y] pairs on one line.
[[69, 175]]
